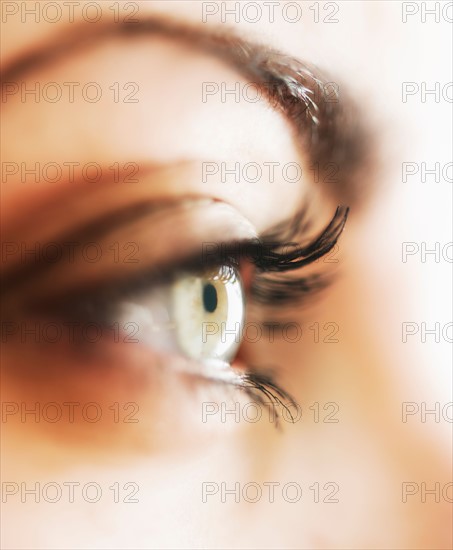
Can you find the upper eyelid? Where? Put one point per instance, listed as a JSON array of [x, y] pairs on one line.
[[289, 230], [261, 254], [140, 222]]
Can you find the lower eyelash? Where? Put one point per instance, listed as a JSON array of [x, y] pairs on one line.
[[257, 386], [260, 388]]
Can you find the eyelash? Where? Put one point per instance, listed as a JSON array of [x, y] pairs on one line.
[[270, 286], [276, 291], [259, 386]]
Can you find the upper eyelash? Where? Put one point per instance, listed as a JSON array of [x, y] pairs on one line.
[[263, 252], [270, 288], [307, 254], [276, 288]]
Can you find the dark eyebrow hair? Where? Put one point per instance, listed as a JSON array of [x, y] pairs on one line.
[[327, 124]]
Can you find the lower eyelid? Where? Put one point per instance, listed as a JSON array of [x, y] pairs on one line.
[[51, 349]]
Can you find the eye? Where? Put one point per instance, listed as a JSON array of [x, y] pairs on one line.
[[209, 313], [198, 315]]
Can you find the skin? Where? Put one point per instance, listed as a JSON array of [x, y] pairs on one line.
[[170, 452]]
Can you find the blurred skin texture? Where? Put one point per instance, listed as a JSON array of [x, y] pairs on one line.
[[368, 374]]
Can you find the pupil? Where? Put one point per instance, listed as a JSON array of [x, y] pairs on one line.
[[209, 298]]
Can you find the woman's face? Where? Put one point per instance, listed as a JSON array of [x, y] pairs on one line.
[[194, 353]]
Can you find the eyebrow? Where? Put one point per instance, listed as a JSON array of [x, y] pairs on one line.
[[326, 122]]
